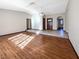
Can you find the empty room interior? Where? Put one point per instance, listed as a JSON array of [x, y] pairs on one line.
[[39, 29]]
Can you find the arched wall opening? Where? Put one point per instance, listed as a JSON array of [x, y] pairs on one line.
[[60, 23]]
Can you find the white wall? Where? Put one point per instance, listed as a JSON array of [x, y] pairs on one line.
[[72, 23], [37, 22], [12, 21], [55, 20]]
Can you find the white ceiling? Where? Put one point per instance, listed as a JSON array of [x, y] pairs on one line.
[[48, 7]]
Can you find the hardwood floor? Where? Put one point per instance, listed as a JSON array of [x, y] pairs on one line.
[[40, 47]]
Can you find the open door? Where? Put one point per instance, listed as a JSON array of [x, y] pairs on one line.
[[49, 23], [28, 24]]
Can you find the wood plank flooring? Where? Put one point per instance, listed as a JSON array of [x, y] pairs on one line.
[[40, 47]]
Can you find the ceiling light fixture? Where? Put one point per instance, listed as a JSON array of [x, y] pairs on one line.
[[34, 4]]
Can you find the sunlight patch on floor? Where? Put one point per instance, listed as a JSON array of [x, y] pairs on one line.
[[38, 32], [21, 40]]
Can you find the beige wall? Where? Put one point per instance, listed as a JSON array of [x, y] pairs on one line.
[[12, 21], [55, 20], [72, 23]]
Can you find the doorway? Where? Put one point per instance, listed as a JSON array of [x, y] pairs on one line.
[[49, 23], [28, 23], [44, 20], [60, 23]]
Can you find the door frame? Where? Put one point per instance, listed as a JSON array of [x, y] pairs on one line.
[[48, 25], [28, 23]]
